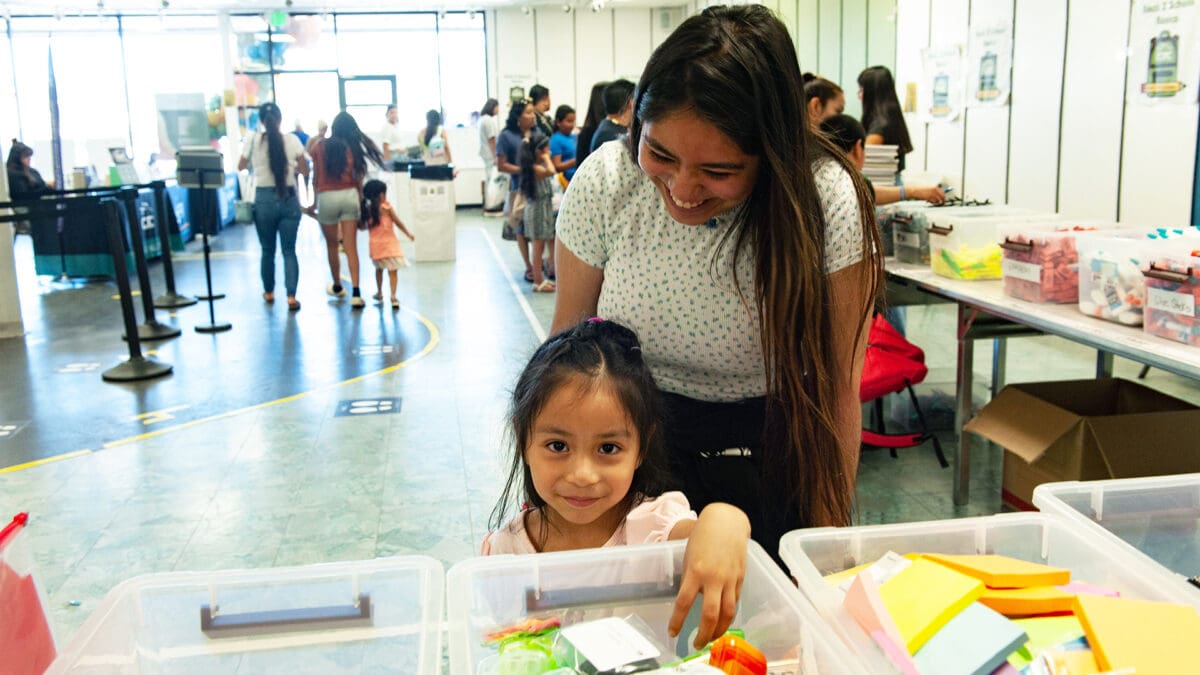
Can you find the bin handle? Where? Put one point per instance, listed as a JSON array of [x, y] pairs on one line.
[[1019, 246], [1168, 275], [268, 622], [605, 596], [902, 219], [941, 230]]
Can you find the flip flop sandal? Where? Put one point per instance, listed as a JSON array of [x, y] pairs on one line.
[[529, 276]]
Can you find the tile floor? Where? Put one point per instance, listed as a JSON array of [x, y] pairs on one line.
[[243, 461]]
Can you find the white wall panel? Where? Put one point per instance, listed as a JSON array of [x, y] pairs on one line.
[[632, 30], [1158, 163], [948, 26], [854, 51], [489, 26], [1093, 102], [556, 54], [829, 46], [912, 27], [516, 62], [788, 12], [1039, 41], [881, 33], [593, 52], [807, 35], [985, 169], [664, 21]]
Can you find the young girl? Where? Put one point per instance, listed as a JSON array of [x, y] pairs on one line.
[[379, 217], [589, 467], [537, 171]]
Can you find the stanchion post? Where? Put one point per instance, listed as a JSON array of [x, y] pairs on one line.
[[162, 211], [137, 367], [151, 328], [193, 168]]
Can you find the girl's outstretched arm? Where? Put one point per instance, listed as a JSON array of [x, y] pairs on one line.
[[714, 566], [391, 211]]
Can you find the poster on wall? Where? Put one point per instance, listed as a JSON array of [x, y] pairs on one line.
[[989, 56], [941, 98], [1164, 54]]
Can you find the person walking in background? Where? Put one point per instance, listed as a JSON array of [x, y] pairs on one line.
[[299, 133], [882, 116], [537, 174], [521, 119], [322, 130], [618, 105], [595, 115], [381, 219], [495, 184], [24, 182], [824, 99], [276, 159], [339, 167], [391, 137], [562, 143], [310, 208], [540, 97], [435, 150]]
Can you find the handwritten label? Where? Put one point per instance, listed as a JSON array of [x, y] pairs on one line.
[[908, 239], [1022, 270], [1177, 303]]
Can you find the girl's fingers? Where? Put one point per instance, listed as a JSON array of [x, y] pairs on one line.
[[683, 604], [710, 618]]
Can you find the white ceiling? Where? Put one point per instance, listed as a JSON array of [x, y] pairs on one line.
[[68, 7]]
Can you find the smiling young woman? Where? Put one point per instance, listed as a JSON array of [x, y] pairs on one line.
[[741, 247]]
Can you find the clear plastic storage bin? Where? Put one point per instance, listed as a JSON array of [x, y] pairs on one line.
[[1035, 537], [489, 593], [377, 616], [968, 247], [1111, 286], [1158, 516], [1172, 288], [1041, 266], [909, 224]]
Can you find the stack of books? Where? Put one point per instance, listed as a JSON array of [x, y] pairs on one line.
[[881, 164]]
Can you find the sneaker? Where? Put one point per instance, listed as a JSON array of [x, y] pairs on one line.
[[337, 294], [377, 297], [357, 302]]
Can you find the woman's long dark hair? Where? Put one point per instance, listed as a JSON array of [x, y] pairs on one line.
[[608, 355], [271, 118], [433, 120], [513, 123], [374, 192], [595, 115], [527, 159], [736, 68], [820, 88], [344, 136], [881, 108], [490, 107]]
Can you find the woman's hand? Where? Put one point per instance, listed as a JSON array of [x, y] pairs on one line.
[[933, 195], [713, 566]]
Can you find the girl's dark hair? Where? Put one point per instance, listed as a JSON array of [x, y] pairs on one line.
[[881, 108], [844, 131], [537, 92], [609, 356], [433, 120], [561, 113], [344, 136], [271, 118], [373, 193], [527, 158], [514, 115], [16, 153], [736, 69], [490, 107], [820, 88], [595, 115]]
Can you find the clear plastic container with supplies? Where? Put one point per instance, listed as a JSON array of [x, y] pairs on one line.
[[968, 246], [1172, 274], [1035, 537], [1158, 516], [909, 224], [372, 616], [495, 592], [1111, 286], [1042, 266]]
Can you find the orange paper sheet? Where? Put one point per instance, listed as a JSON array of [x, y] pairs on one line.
[[1155, 638], [998, 571], [1028, 601]]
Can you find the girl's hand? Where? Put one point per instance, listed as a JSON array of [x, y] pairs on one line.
[[411, 238], [713, 566]]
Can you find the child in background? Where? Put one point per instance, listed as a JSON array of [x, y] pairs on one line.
[[848, 134], [537, 174], [380, 218], [562, 143], [590, 466]]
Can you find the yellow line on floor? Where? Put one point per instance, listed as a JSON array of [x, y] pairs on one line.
[[434, 338], [45, 460]]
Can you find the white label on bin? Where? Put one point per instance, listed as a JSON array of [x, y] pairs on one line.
[[909, 239], [609, 643], [1166, 301], [431, 198], [1022, 270]]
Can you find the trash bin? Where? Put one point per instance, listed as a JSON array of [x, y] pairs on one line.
[[399, 187], [432, 189]]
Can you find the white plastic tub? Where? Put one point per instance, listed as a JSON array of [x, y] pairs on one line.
[[967, 246], [378, 616], [493, 592]]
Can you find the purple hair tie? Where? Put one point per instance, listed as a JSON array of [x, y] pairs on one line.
[[595, 319]]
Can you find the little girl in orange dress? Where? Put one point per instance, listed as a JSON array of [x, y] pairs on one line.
[[381, 219]]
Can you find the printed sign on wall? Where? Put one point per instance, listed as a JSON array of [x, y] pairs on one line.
[[1164, 53], [942, 83], [989, 55]]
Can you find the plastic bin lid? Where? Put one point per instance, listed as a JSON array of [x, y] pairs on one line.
[[440, 172]]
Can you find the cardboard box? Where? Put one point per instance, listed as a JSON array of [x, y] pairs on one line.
[[1087, 430]]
